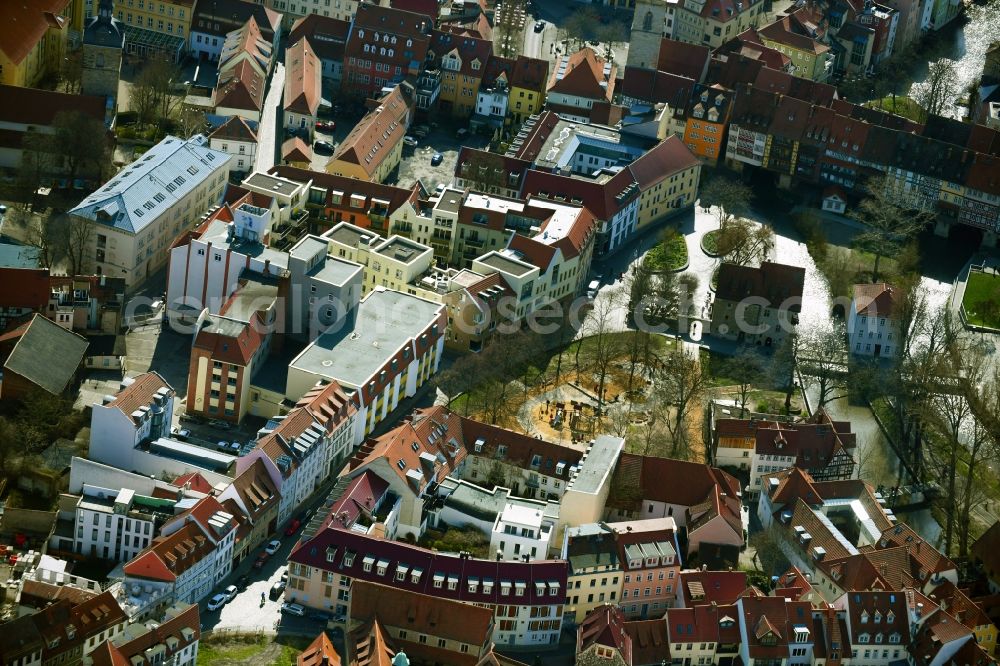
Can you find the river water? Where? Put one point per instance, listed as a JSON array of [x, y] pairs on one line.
[[964, 44], [942, 261]]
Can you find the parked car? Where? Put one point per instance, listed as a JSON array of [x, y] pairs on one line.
[[539, 26], [234, 448], [261, 560], [593, 288], [293, 527], [221, 425], [323, 146], [322, 616], [217, 602], [436, 159], [180, 433], [243, 582], [326, 125], [277, 589], [191, 418], [461, 133], [293, 609], [273, 547], [409, 141], [284, 576], [231, 592], [223, 446]]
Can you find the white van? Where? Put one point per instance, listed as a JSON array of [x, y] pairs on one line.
[[592, 288]]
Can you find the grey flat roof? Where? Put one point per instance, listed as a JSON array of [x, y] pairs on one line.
[[271, 183], [334, 271], [386, 320], [598, 463], [350, 236], [217, 234], [451, 200], [224, 325], [308, 247], [171, 448], [401, 249], [506, 264], [256, 294]]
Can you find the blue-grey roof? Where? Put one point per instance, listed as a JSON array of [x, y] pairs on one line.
[[143, 190]]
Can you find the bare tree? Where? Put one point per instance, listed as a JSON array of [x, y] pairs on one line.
[[192, 121], [79, 232], [83, 144], [768, 555], [892, 216], [152, 95], [940, 89], [610, 34], [745, 368], [37, 162], [578, 25], [71, 71], [680, 383], [48, 234], [605, 344], [744, 242], [822, 355], [731, 198]]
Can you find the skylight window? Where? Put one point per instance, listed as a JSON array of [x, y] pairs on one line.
[[192, 170]]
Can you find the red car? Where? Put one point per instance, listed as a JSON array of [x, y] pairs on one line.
[[293, 527], [261, 560]]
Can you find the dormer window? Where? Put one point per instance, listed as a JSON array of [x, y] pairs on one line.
[[864, 638], [348, 559], [878, 638], [864, 617], [473, 585], [878, 617], [894, 638], [890, 617], [331, 553]]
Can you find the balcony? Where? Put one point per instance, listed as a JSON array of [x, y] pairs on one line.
[[475, 242]]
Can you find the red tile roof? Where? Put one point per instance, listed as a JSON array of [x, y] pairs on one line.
[[722, 11], [349, 187], [435, 615], [25, 24], [321, 651], [544, 580], [668, 480], [234, 129], [668, 157], [764, 616], [650, 643], [787, 30], [874, 300], [295, 149], [240, 87], [24, 287], [683, 59], [775, 283], [473, 53], [712, 587], [169, 557], [372, 140], [183, 627], [139, 393], [236, 349], [327, 35], [605, 626], [31, 106], [582, 75], [656, 87], [198, 482], [530, 73], [302, 78], [603, 199]]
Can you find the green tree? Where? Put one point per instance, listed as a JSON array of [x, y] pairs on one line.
[[745, 368]]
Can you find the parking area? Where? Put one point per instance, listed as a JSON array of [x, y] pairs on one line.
[[155, 347], [416, 164]]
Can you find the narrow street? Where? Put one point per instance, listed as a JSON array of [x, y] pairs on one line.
[[269, 133]]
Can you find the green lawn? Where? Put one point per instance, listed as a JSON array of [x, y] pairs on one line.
[[213, 653], [982, 299], [901, 106], [710, 242], [670, 255]]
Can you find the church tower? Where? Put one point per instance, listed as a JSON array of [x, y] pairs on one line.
[[649, 25], [103, 44]]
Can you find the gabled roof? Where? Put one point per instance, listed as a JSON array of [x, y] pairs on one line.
[[31, 106], [321, 651], [234, 129], [772, 617], [180, 629], [583, 74], [603, 199], [928, 560], [650, 643], [605, 626], [372, 646], [875, 300], [656, 87], [668, 480], [789, 31], [775, 283], [668, 157], [256, 490], [25, 24], [219, 17], [229, 340], [327, 35], [169, 557], [529, 73], [684, 59], [444, 618], [302, 78], [140, 393], [472, 53], [711, 587], [295, 149], [47, 355], [372, 140], [240, 87], [149, 186], [24, 287]]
